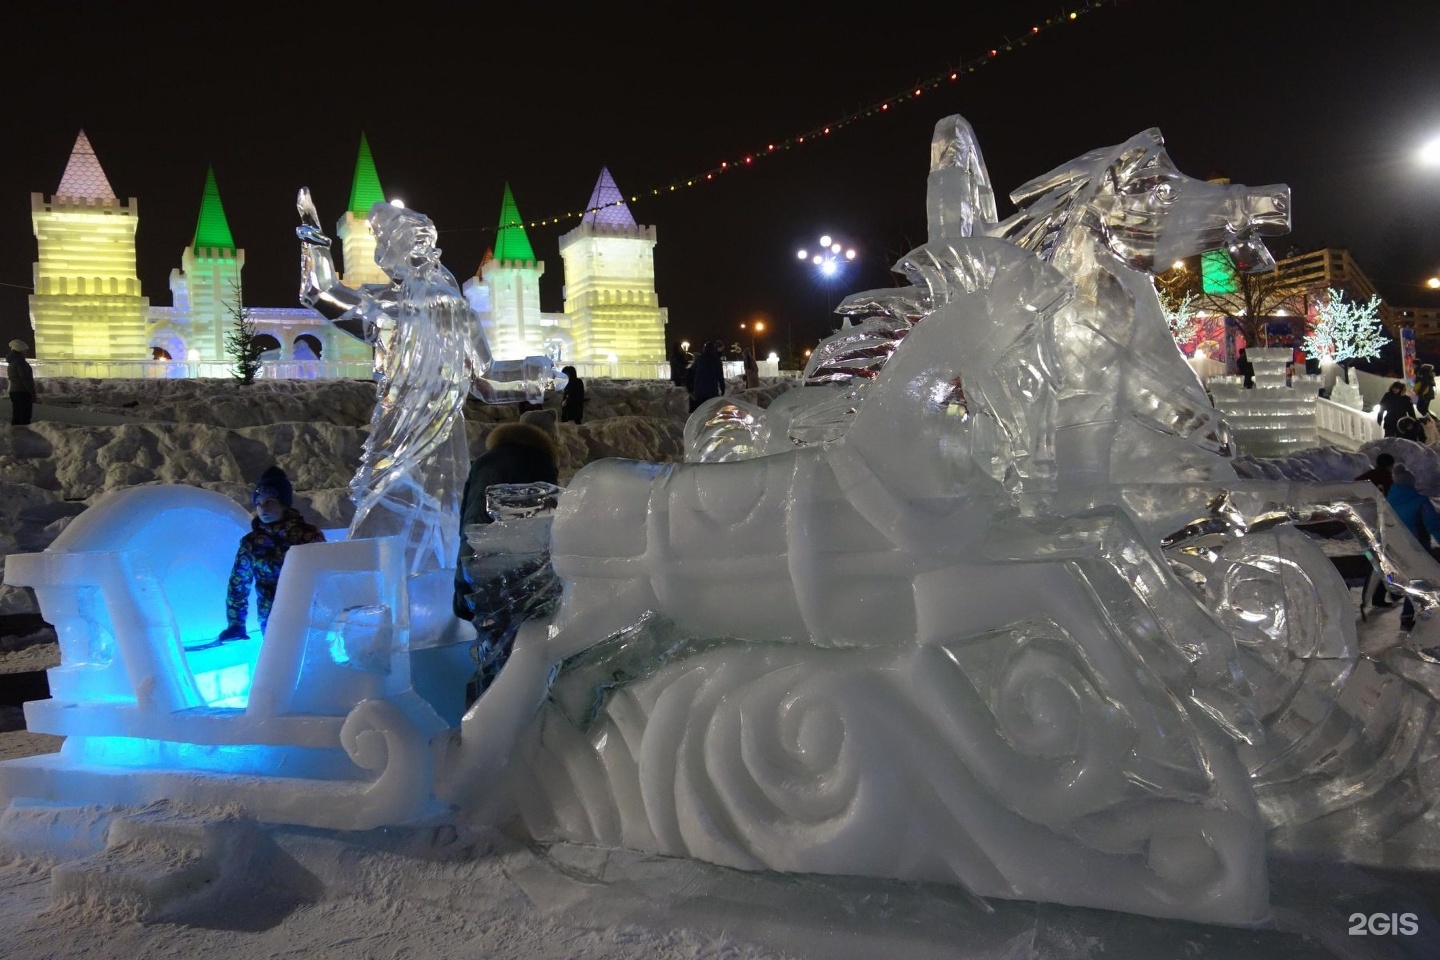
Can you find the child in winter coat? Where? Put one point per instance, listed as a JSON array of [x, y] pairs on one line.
[[276, 528]]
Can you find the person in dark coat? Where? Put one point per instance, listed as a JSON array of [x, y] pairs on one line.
[[514, 453], [1395, 404], [1245, 368], [1415, 510], [752, 369], [277, 527], [572, 401], [22, 383], [1424, 388], [679, 363], [1380, 473], [709, 376]]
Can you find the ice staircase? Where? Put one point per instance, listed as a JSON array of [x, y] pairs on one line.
[[1274, 418]]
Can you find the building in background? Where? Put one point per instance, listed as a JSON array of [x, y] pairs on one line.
[[87, 302], [505, 293], [87, 307], [610, 302]]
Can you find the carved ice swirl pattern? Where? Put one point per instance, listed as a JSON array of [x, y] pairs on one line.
[[989, 762]]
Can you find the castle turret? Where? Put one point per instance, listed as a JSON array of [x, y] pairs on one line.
[[87, 303], [610, 282], [207, 287], [516, 328], [357, 242]]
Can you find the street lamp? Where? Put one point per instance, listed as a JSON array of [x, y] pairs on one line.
[[829, 259], [757, 326], [1430, 153]]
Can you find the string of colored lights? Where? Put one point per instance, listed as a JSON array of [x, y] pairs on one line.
[[744, 160]]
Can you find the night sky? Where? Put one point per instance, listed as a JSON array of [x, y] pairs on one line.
[[456, 99]]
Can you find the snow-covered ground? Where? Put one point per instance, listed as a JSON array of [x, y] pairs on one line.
[[431, 892]]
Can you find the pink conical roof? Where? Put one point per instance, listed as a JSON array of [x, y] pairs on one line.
[[607, 204], [83, 177]]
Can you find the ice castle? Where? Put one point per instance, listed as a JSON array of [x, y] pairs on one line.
[[89, 316]]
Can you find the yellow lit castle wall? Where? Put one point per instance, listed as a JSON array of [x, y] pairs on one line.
[[87, 303], [212, 275], [610, 293], [517, 327]]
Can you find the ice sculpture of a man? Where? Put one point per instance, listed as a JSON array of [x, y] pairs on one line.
[[428, 350]]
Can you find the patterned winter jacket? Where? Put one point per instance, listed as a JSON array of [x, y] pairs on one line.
[[258, 560]]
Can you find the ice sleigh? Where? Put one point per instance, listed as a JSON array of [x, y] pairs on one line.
[[317, 725]]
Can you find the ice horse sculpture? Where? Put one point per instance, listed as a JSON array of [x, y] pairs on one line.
[[1014, 625]]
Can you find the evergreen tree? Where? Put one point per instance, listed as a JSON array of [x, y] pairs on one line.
[[1345, 330], [242, 343]]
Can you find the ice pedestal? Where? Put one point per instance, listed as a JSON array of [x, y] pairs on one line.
[[1276, 417]]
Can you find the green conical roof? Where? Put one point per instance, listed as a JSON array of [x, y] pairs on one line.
[[511, 243], [213, 230], [365, 192]]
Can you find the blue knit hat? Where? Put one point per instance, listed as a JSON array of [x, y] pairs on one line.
[[273, 482]]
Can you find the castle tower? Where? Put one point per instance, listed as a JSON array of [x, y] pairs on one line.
[[87, 303], [357, 243], [515, 326], [610, 282], [207, 285]]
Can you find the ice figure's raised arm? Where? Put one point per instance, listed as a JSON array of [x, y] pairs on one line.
[[516, 381], [355, 312]]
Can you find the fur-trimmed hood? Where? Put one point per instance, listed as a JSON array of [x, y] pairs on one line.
[[523, 435]]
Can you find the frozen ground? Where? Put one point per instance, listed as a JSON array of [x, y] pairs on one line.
[[429, 893]]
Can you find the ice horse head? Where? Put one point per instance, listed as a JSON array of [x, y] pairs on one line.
[[1131, 405]]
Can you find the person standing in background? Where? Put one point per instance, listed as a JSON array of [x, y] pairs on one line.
[[22, 383], [572, 399], [1424, 388]]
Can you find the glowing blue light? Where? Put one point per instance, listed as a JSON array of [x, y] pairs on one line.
[[828, 268], [338, 653], [136, 752], [223, 674]]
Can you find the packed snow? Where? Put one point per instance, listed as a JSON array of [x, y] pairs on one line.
[[429, 892]]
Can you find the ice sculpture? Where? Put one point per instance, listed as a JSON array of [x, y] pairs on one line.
[[1002, 617], [428, 349], [1006, 617]]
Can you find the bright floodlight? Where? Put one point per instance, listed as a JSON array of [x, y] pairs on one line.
[[803, 255], [1430, 153], [1433, 283], [850, 254], [834, 248], [828, 268], [398, 203], [817, 259], [825, 240]]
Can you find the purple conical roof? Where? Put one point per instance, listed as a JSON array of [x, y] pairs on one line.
[[607, 204]]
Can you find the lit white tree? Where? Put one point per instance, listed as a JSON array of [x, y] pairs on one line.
[[1180, 315], [1346, 330]]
